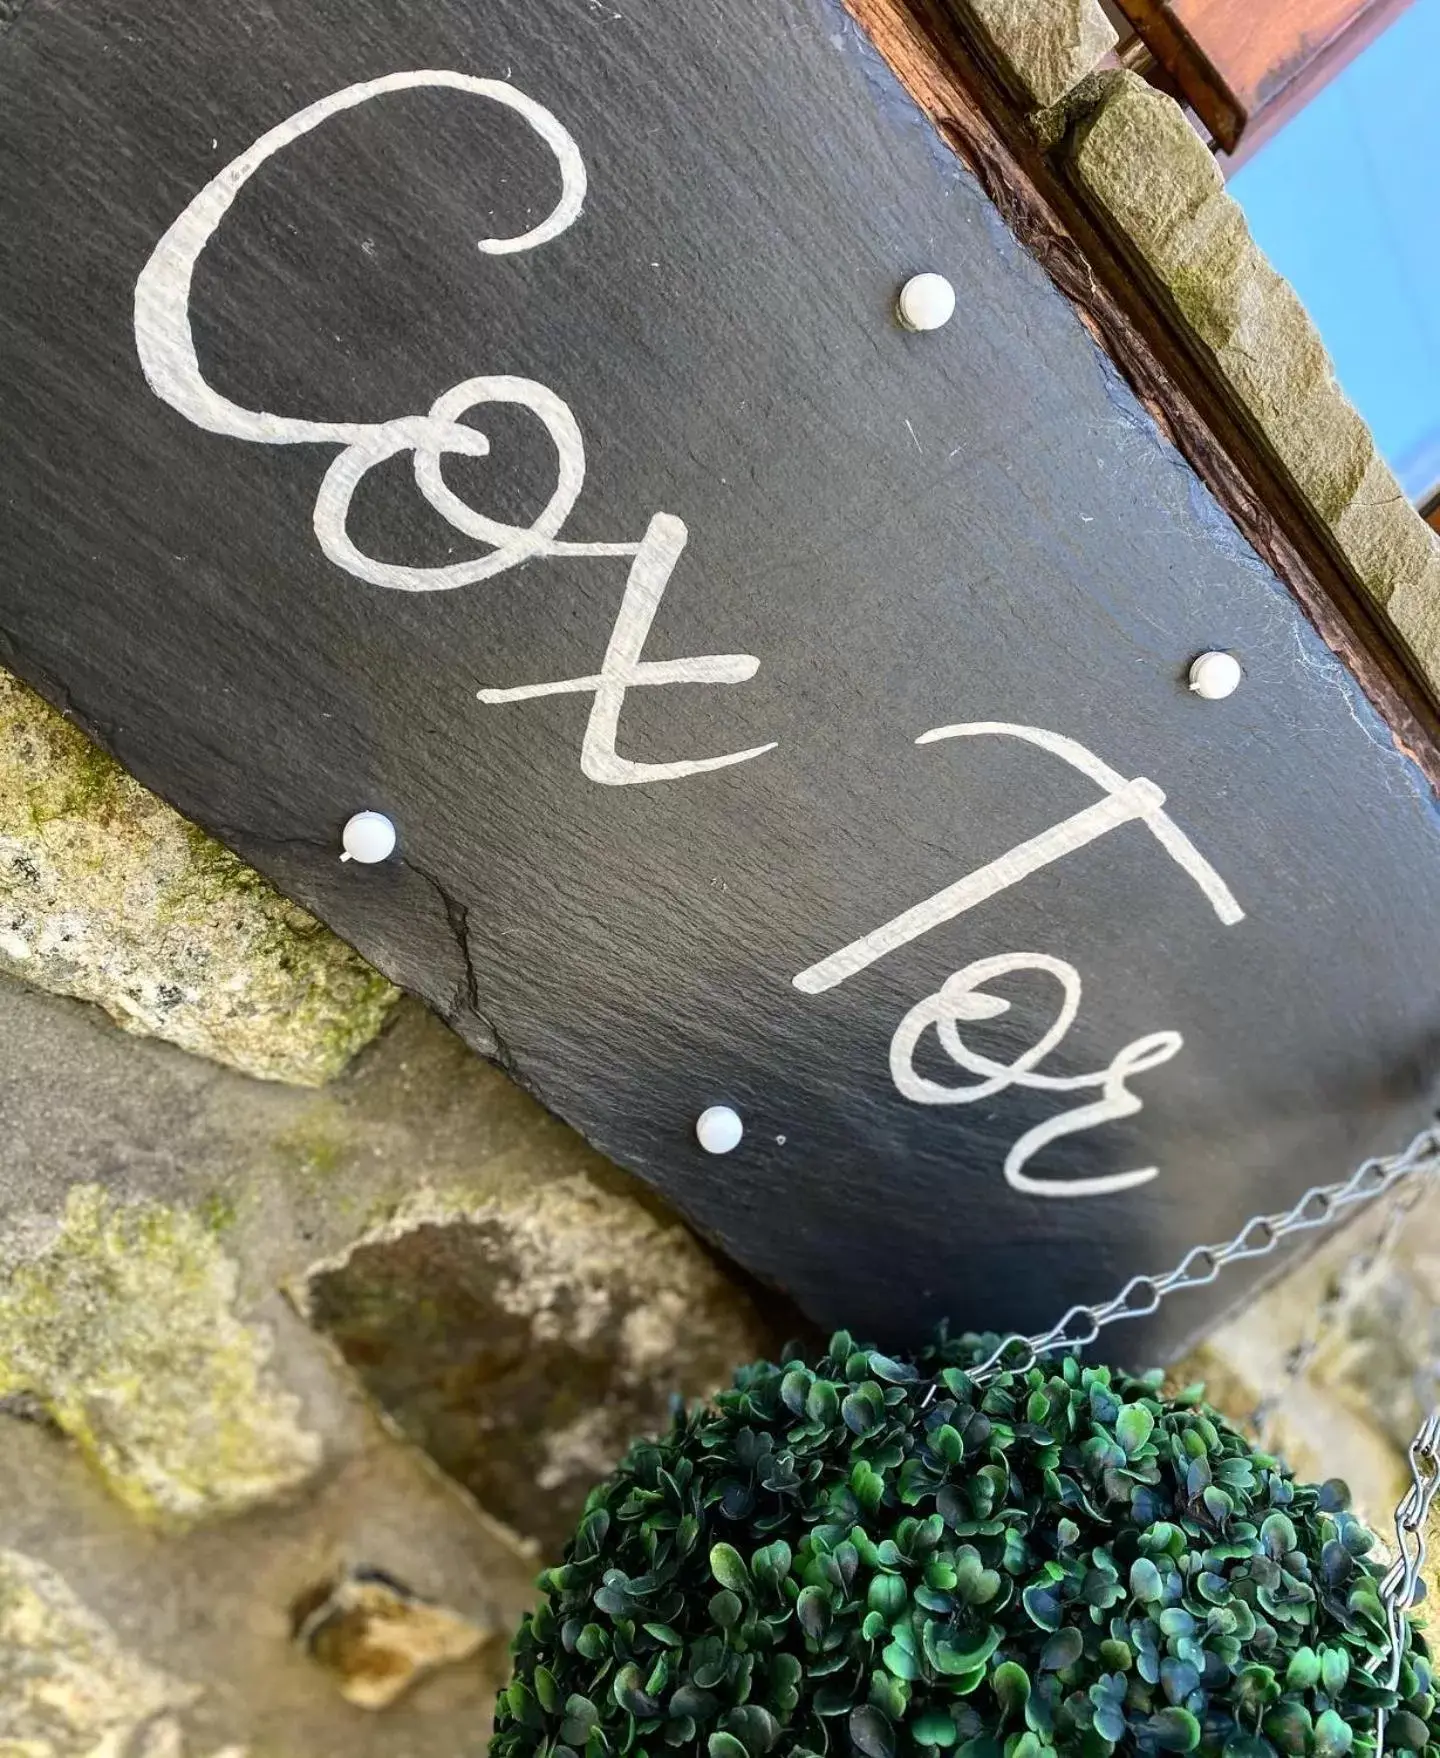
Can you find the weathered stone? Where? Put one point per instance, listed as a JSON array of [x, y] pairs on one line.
[[68, 1688], [1046, 46], [122, 1323], [109, 895], [1157, 186], [277, 1179], [376, 1638], [525, 1338]]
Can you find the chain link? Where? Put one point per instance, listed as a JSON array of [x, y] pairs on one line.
[[1402, 1578], [1321, 1206]]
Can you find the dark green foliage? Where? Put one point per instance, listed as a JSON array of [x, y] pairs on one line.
[[1063, 1561]]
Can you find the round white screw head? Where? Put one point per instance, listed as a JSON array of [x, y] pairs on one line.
[[368, 837], [1214, 676], [718, 1129], [926, 302]]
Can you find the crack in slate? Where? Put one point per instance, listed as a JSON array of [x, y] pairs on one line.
[[457, 918]]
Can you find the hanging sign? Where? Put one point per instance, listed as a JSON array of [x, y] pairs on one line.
[[493, 414]]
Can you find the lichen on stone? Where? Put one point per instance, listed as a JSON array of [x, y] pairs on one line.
[[68, 1688], [122, 1322], [108, 895], [1046, 46]]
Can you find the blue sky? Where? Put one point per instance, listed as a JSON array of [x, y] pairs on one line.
[[1345, 201]]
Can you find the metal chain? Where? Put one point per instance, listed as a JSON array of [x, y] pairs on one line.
[[1320, 1206], [1397, 1589]]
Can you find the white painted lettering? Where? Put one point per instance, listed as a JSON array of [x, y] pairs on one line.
[[165, 342], [622, 668], [962, 999], [1124, 800]]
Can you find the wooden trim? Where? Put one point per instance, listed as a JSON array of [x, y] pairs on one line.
[[950, 78], [1246, 66], [1189, 68], [1312, 78]]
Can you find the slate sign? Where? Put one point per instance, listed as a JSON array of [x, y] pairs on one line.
[[778, 709]]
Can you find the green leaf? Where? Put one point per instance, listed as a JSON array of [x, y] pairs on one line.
[[692, 1702], [870, 1733], [958, 1656], [1145, 1583], [728, 1568], [900, 1662], [1133, 1427], [592, 1643], [547, 1691], [725, 1746], [1063, 1649], [1334, 1670], [947, 1442], [1042, 1606], [1174, 1730], [868, 1485], [886, 1594], [1278, 1536], [753, 1725], [770, 1564], [664, 1635], [897, 1373], [1288, 1726], [725, 1608], [974, 1583], [822, 1403], [864, 1408], [793, 1390], [1011, 1685], [522, 1705], [580, 1716], [935, 1727], [1406, 1731], [1333, 1735], [812, 1611]]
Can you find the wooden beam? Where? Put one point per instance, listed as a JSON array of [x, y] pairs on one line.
[[1246, 67]]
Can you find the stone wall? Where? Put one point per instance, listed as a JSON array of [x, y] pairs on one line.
[[278, 1366], [299, 1374]]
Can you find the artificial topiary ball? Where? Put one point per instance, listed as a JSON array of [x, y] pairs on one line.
[[873, 1557]]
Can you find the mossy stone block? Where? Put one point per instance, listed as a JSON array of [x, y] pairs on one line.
[[107, 894], [1046, 46], [122, 1323]]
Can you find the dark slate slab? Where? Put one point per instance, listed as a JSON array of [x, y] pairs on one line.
[[976, 526]]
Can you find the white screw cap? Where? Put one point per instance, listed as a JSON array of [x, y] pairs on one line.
[[368, 837], [1214, 676], [926, 302], [718, 1129]]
